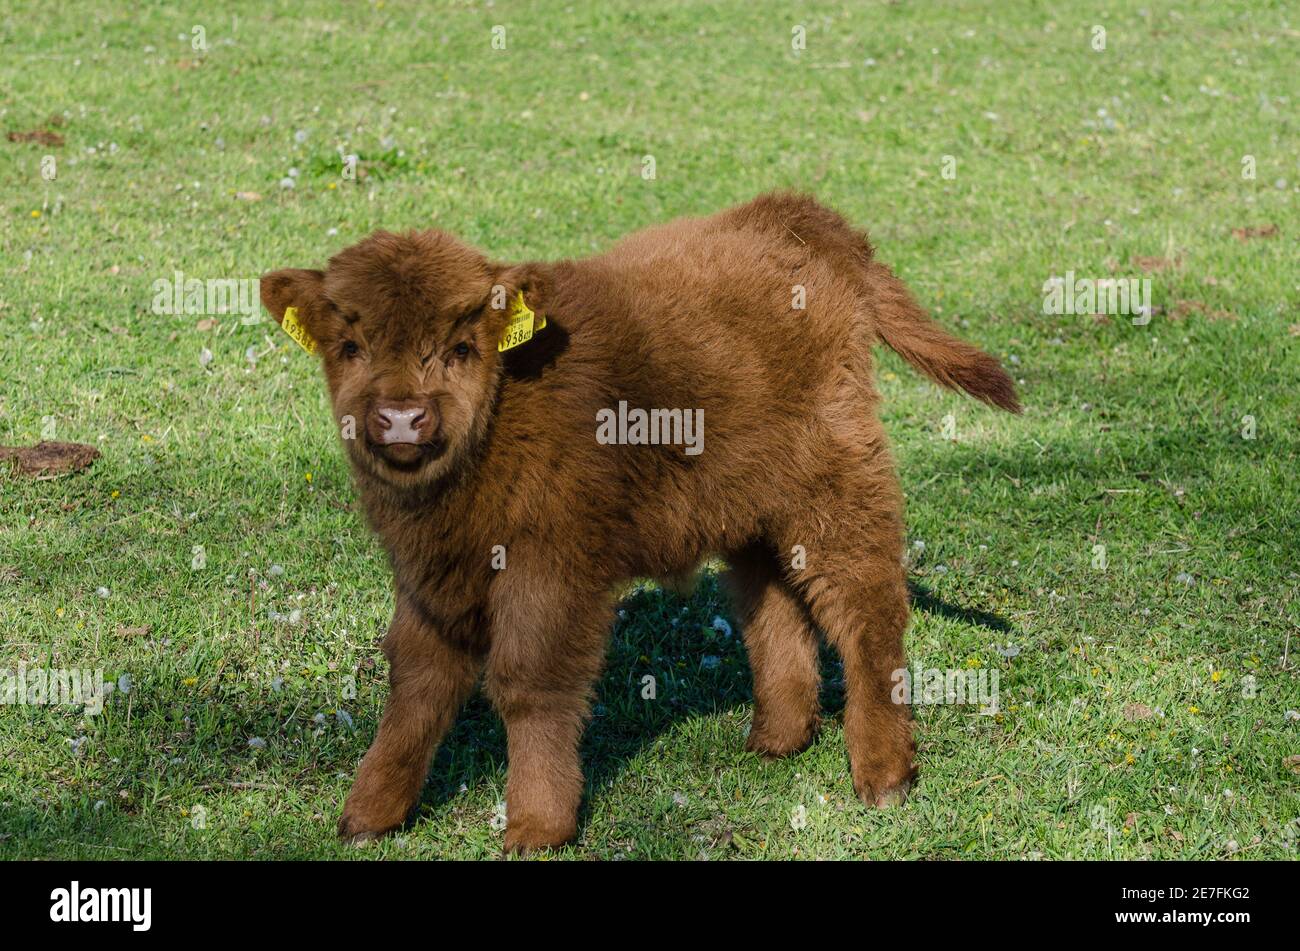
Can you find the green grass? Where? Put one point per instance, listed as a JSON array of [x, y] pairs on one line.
[[1131, 438]]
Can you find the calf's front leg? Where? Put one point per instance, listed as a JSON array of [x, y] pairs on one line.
[[540, 673], [430, 679]]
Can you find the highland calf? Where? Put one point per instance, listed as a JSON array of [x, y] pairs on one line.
[[476, 392]]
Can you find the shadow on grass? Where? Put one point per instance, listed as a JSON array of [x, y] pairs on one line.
[[926, 600]]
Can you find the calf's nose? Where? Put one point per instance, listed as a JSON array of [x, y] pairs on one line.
[[399, 425]]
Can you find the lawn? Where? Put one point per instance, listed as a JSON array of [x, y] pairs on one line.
[[1123, 554]]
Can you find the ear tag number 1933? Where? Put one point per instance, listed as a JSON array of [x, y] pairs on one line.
[[521, 326]]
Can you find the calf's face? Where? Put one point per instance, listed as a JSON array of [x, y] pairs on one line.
[[406, 327]]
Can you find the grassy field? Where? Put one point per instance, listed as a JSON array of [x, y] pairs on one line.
[[1147, 697]]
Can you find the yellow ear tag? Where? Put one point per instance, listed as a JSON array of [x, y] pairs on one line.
[[523, 323], [297, 330]]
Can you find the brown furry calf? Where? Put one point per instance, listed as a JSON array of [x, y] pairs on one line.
[[514, 489]]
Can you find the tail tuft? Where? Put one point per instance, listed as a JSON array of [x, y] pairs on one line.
[[907, 330], [983, 378]]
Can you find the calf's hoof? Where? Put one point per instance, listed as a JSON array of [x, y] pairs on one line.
[[886, 794], [355, 828], [770, 742], [528, 837]]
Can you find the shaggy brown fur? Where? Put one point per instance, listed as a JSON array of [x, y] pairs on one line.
[[464, 456]]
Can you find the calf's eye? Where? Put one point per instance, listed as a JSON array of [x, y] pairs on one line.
[[461, 349], [350, 349]]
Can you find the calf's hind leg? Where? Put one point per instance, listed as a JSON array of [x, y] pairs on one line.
[[782, 648], [856, 590]]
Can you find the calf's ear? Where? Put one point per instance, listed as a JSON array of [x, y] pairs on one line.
[[293, 287], [508, 283], [527, 279]]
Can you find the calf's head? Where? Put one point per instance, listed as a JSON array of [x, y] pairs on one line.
[[406, 327]]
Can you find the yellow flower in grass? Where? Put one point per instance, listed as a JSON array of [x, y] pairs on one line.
[[1216, 676]]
